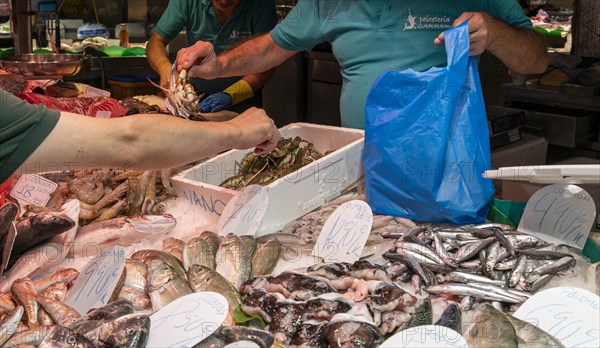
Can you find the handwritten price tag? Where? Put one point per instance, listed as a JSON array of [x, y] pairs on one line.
[[560, 214], [429, 336], [33, 189], [97, 281], [188, 320], [571, 315], [244, 212], [345, 233]]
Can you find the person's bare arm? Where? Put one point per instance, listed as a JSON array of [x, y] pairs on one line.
[[253, 56], [148, 141], [156, 51], [521, 50], [256, 81]]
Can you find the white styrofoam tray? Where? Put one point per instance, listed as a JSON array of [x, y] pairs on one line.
[[289, 197]]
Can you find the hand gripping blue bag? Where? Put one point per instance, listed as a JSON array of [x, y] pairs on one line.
[[427, 141]]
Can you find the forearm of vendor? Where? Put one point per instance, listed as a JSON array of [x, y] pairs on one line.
[[521, 50], [158, 58]]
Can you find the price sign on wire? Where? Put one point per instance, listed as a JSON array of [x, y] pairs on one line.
[[426, 336], [571, 315], [97, 281], [345, 233], [560, 214], [33, 189], [188, 320], [244, 212]]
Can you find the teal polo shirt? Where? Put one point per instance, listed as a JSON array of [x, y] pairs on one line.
[[369, 37], [198, 18]]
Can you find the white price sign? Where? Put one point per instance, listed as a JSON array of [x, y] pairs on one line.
[[97, 281], [571, 315], [33, 189], [560, 214], [345, 233], [244, 212], [426, 336], [188, 320]]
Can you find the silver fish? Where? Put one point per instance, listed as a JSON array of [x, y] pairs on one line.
[[517, 271], [124, 231], [63, 337], [129, 331], [38, 228], [472, 249], [8, 325]]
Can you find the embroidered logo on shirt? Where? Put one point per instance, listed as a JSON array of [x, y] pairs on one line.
[[240, 34], [426, 22]]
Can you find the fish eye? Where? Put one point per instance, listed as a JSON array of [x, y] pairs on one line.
[[130, 331], [72, 339]]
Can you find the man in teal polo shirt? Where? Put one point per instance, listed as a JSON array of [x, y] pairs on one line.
[[223, 23], [371, 37]]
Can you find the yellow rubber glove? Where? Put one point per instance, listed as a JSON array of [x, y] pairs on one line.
[[239, 91]]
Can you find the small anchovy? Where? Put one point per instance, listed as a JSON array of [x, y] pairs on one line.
[[415, 255], [503, 240], [470, 290], [460, 277], [506, 265], [451, 318], [517, 271], [540, 282], [492, 254], [543, 254], [411, 263], [437, 268], [467, 303], [415, 240], [562, 264], [499, 291], [482, 233], [442, 252], [502, 227], [416, 281], [423, 250], [468, 251]]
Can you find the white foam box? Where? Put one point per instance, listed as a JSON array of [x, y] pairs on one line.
[[293, 195]]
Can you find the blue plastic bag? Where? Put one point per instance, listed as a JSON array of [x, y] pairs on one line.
[[427, 141]]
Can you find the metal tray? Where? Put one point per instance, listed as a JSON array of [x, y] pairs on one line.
[[30, 65]]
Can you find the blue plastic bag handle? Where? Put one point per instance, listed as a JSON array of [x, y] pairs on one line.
[[457, 50]]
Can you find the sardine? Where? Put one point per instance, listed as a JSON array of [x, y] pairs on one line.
[[490, 328], [38, 228], [492, 255], [124, 231], [451, 318], [63, 337], [8, 325], [461, 277], [470, 290], [559, 265]]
